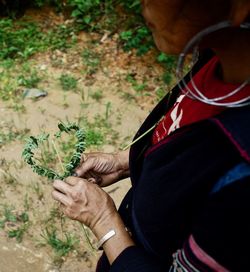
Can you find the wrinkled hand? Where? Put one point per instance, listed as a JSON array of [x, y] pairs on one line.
[[105, 168], [84, 201]]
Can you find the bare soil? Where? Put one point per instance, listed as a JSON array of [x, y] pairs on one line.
[[25, 191]]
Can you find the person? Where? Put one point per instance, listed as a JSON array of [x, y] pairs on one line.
[[190, 173]]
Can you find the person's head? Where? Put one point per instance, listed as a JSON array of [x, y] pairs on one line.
[[175, 22]]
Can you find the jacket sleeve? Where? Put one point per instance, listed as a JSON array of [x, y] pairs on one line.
[[135, 259]]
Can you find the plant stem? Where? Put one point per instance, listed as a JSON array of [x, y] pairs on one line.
[[87, 237], [58, 156], [140, 137], [137, 139], [4, 173]]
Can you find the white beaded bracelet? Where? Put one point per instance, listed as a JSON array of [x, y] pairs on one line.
[[105, 238]]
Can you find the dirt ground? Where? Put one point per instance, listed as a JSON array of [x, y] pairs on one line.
[[21, 190]]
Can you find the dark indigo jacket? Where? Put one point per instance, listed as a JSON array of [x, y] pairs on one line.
[[170, 196]]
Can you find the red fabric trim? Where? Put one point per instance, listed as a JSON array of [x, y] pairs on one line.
[[166, 140], [204, 257], [187, 111], [243, 152]]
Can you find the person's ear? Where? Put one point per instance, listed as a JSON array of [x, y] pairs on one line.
[[240, 11]]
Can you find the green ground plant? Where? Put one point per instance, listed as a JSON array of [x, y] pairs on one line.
[[61, 246], [139, 87], [91, 59], [97, 95], [68, 82], [169, 64], [19, 39], [99, 131], [9, 133], [19, 223], [29, 81], [22, 39]]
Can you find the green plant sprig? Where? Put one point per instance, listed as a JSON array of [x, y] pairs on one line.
[[34, 143]]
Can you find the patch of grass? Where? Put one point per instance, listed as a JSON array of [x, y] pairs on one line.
[[94, 137], [61, 37], [21, 39], [9, 133], [99, 131], [68, 82], [97, 95], [169, 64], [61, 246], [18, 233], [91, 59], [139, 87], [8, 216], [139, 38], [18, 39], [14, 224], [5, 172], [160, 93], [127, 96], [38, 190], [29, 81]]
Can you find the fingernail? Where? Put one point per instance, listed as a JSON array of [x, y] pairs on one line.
[[92, 180]]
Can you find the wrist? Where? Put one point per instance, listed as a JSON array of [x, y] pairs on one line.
[[105, 224], [118, 238], [123, 163]]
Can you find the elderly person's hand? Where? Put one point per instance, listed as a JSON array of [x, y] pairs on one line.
[[104, 168], [87, 203], [84, 201]]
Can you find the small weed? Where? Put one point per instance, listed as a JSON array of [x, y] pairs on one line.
[[15, 224], [18, 107], [61, 246], [108, 110], [38, 190], [91, 59], [94, 137], [99, 131], [138, 87], [127, 96], [68, 82], [61, 37], [5, 167], [9, 133], [97, 95], [169, 64], [139, 38], [160, 93], [19, 232], [8, 88], [30, 81], [8, 216]]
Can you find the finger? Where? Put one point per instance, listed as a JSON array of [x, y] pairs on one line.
[[61, 186], [73, 181], [97, 178], [83, 158], [63, 199], [92, 180], [87, 165]]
